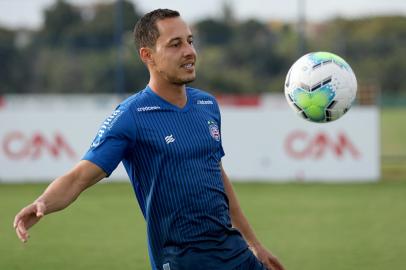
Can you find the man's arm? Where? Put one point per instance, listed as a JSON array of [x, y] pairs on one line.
[[240, 222], [58, 195]]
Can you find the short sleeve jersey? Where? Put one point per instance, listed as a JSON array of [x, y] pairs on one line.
[[172, 158]]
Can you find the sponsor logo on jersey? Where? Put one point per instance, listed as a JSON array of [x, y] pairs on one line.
[[205, 102], [148, 108], [214, 130]]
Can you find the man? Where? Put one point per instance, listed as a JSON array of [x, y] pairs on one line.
[[168, 138]]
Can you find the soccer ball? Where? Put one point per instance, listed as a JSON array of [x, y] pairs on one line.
[[320, 87]]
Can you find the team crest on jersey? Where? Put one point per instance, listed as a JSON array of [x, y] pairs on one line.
[[214, 130]]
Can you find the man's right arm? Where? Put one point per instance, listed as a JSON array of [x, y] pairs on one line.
[[58, 195]]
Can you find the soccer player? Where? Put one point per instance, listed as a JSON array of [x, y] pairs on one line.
[[168, 138]]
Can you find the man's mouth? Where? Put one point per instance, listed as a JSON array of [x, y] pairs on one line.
[[188, 66]]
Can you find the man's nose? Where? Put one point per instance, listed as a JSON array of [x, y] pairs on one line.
[[189, 50]]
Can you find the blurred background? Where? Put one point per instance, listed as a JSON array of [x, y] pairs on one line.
[[77, 59]]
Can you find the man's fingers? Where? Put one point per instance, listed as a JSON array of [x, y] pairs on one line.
[[19, 234], [24, 212], [21, 228], [27, 217], [16, 220], [22, 232]]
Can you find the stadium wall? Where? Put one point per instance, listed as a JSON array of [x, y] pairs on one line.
[[42, 136]]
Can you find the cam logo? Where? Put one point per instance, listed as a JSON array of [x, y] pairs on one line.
[[19, 146], [301, 145], [214, 130]]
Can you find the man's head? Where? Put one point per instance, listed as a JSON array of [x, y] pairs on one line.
[[146, 31], [165, 45]]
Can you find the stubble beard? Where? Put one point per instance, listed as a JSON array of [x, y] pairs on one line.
[[181, 81]]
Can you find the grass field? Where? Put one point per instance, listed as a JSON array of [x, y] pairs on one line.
[[393, 138], [309, 226]]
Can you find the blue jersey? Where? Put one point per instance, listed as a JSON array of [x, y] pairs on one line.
[[172, 156]]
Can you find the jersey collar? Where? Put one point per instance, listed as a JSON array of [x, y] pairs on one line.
[[168, 105]]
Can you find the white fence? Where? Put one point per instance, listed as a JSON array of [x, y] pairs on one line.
[[41, 137]]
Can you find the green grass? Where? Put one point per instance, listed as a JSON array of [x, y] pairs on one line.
[[102, 230], [393, 143], [393, 132], [309, 226]]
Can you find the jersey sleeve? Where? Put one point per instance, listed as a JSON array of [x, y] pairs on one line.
[[115, 136]]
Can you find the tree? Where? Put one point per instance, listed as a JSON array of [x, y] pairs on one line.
[[99, 31], [59, 19], [213, 32], [7, 55]]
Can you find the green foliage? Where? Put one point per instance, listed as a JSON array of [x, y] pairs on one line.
[[59, 19], [7, 52], [97, 31], [76, 51], [84, 71], [14, 63], [244, 62], [213, 32], [68, 26], [375, 47]]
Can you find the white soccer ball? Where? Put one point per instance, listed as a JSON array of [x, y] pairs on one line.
[[320, 87]]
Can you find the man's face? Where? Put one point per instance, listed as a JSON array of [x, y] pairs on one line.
[[174, 56]]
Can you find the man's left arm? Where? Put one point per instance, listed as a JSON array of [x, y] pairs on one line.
[[240, 222]]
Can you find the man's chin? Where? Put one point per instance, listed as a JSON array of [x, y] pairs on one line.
[[184, 80]]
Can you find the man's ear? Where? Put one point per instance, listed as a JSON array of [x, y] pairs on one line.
[[146, 55]]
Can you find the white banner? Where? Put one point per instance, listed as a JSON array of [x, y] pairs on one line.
[[277, 145], [41, 137]]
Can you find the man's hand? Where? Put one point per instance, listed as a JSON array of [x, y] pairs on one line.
[[266, 257], [28, 217], [58, 195]]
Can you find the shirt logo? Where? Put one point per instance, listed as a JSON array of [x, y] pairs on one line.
[[148, 108], [214, 130], [169, 139], [205, 102], [107, 125], [166, 266]]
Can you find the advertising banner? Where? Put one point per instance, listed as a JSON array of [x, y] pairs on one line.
[[42, 137]]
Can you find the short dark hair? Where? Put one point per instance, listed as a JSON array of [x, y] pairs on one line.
[[146, 31]]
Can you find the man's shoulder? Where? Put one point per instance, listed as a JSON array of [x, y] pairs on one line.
[[139, 101], [201, 96]]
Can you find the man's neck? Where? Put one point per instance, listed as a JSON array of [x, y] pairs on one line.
[[172, 93]]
